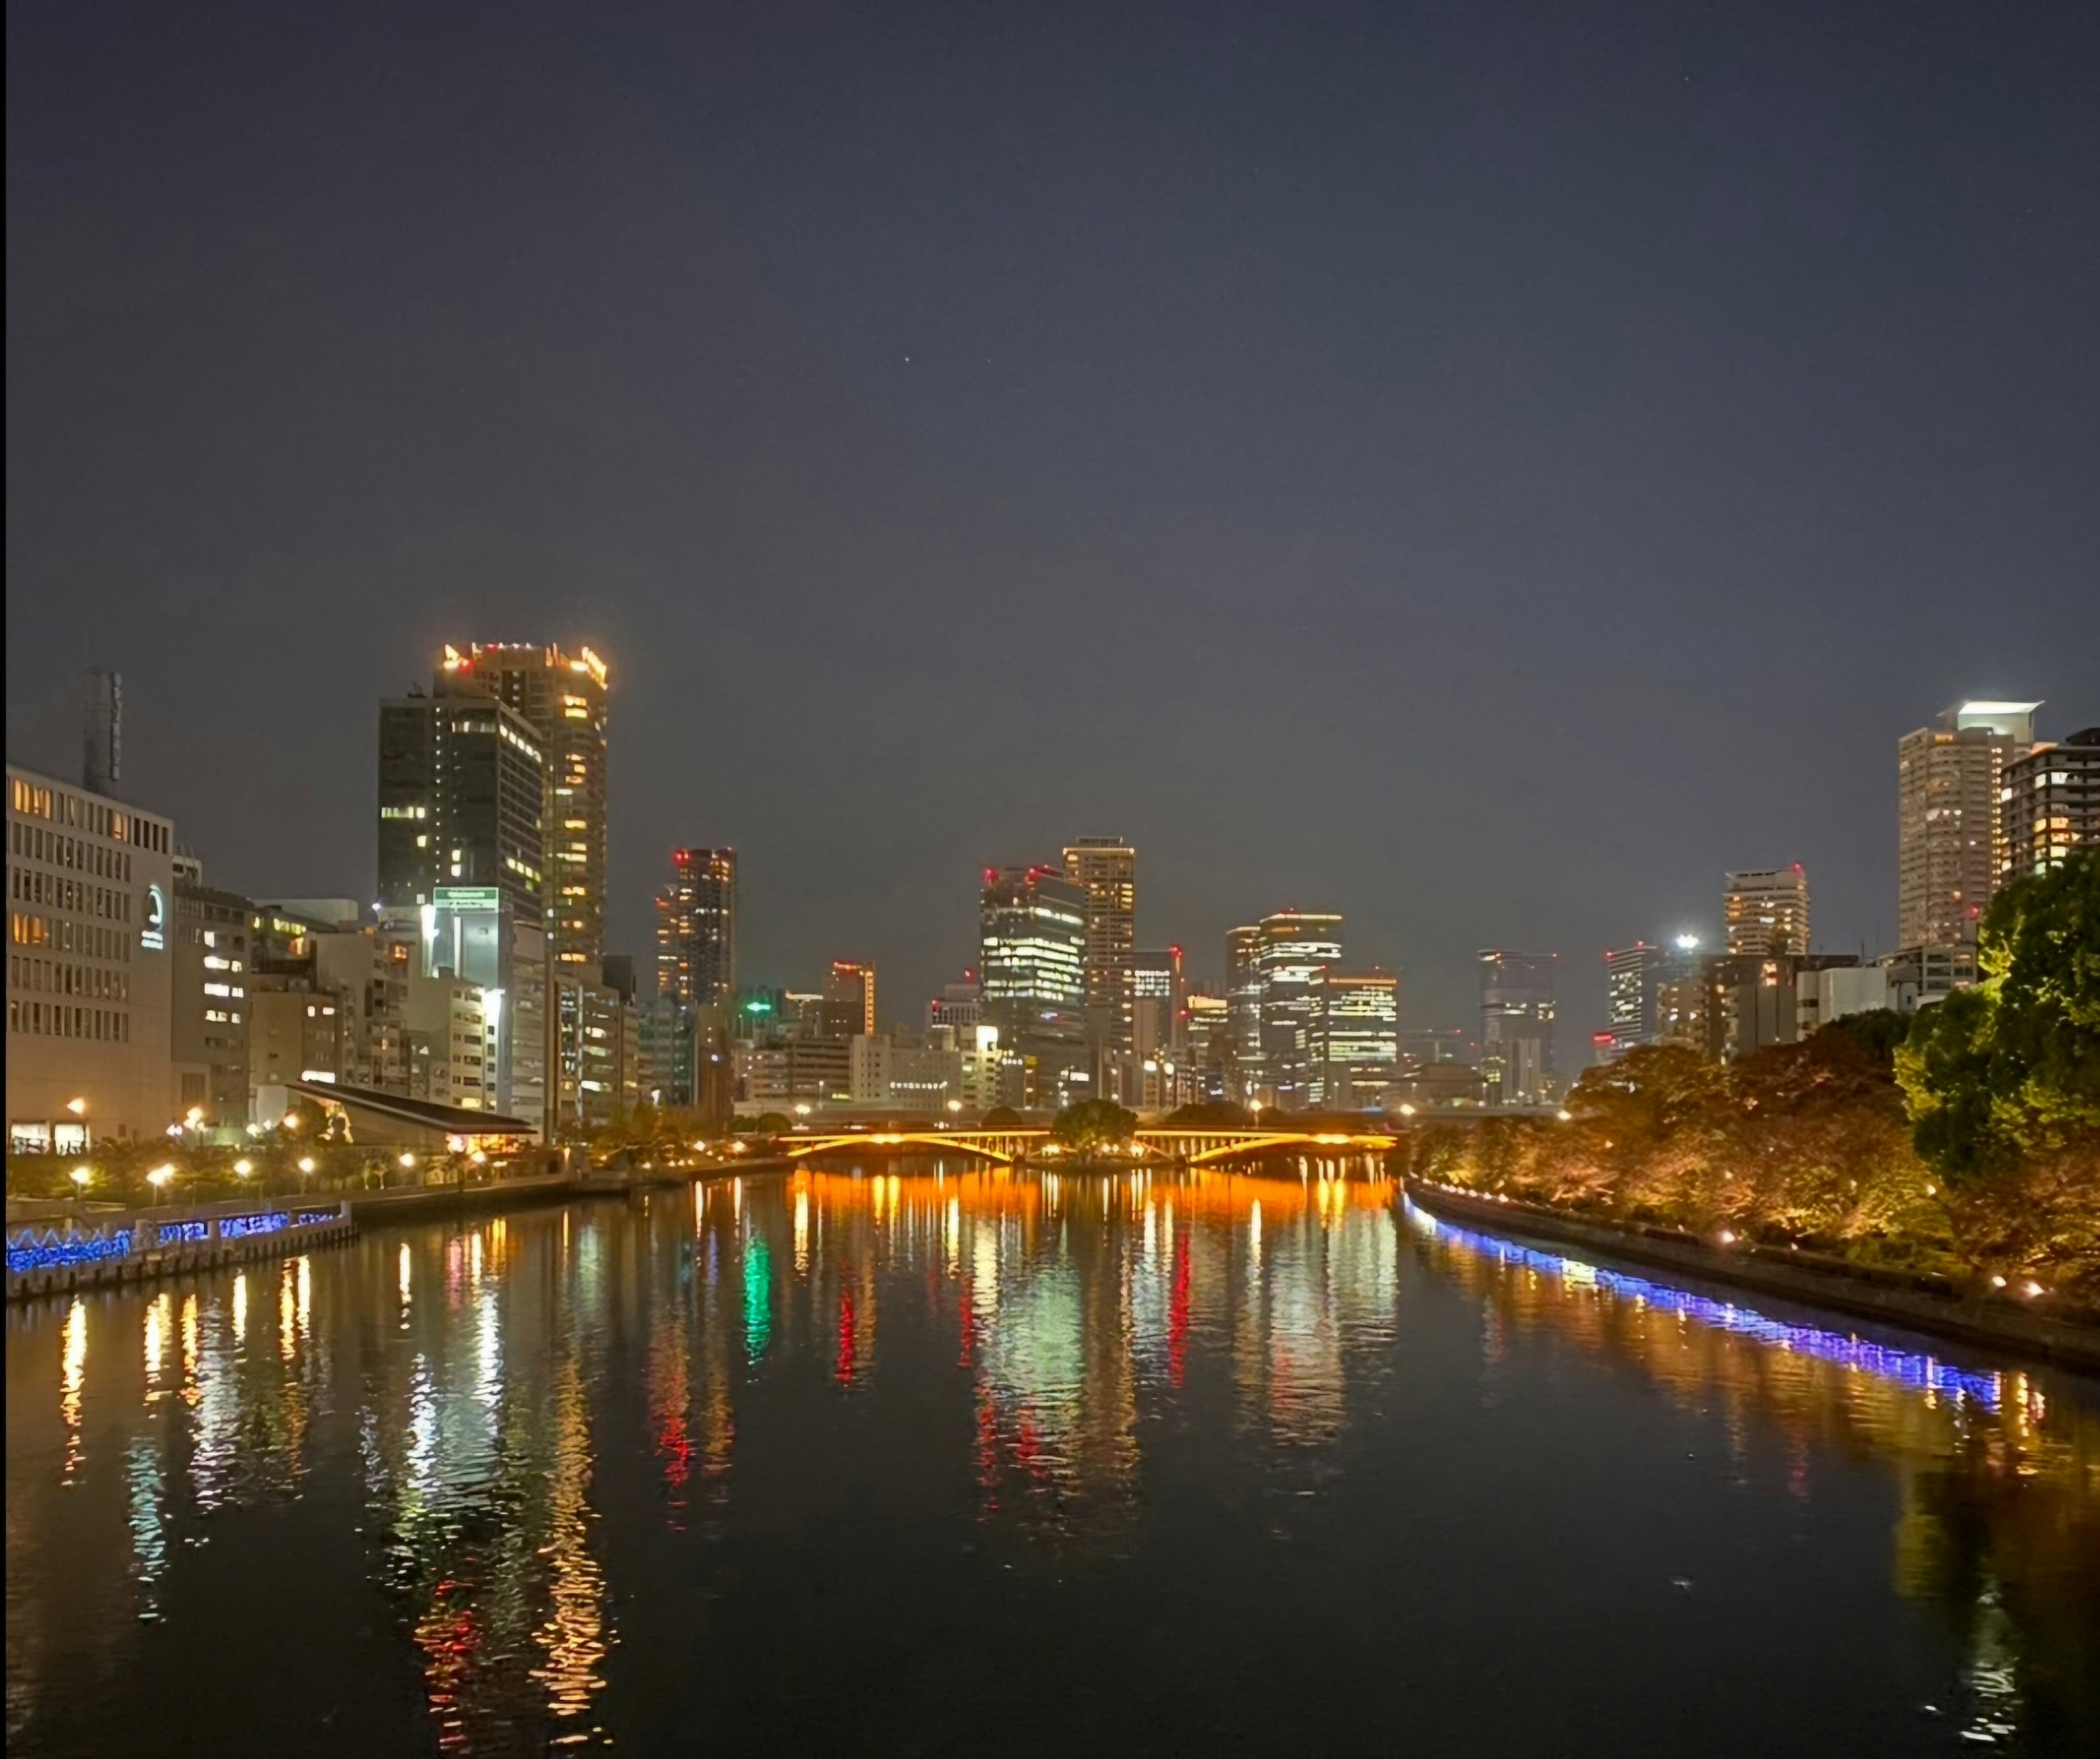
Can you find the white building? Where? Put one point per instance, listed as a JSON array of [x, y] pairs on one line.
[[90, 921]]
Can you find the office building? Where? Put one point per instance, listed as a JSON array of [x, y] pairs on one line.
[[1105, 869], [1836, 991], [848, 1009], [1032, 951], [1920, 976], [696, 928], [90, 912], [562, 698], [1631, 974], [1292, 947], [1243, 1012], [959, 1006], [1753, 1001], [1355, 1038], [1209, 1044], [1156, 1075], [1765, 911], [1423, 1044], [208, 1029], [598, 1052], [2049, 803], [1516, 1025], [462, 784], [1950, 845]]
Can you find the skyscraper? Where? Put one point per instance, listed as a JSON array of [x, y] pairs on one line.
[[1032, 924], [1105, 868], [1766, 910], [2050, 803], [1355, 1038], [462, 787], [848, 1005], [696, 929], [1632, 981], [1293, 945], [1516, 1025], [1950, 838], [563, 699], [1159, 1027], [1241, 1055]]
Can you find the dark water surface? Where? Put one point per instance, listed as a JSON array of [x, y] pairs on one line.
[[936, 1460]]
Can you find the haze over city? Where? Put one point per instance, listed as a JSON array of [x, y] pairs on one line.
[[1487, 478]]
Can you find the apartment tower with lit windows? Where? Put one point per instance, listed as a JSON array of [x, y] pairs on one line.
[[1951, 845]]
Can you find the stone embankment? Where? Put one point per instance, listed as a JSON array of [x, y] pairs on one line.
[[1921, 1304]]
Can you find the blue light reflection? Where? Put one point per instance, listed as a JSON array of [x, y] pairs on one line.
[[1924, 1373]]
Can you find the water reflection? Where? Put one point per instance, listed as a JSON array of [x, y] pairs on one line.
[[510, 1420], [1999, 1523]]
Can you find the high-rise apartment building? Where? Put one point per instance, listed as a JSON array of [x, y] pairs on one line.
[[1105, 868], [2049, 803], [1765, 911], [463, 796], [1516, 1025], [1032, 925], [1292, 947], [1950, 845], [696, 929], [90, 918], [563, 697]]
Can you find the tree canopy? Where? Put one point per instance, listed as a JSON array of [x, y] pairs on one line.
[[1094, 1124]]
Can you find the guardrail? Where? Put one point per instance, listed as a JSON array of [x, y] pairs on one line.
[[49, 1255]]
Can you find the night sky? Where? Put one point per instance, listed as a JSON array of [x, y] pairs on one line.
[[1480, 469]]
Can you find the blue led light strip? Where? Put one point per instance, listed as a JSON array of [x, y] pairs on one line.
[[1922, 1373]]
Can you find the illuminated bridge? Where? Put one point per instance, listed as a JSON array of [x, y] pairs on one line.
[[1189, 1147]]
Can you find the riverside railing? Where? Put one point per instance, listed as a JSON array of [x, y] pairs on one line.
[[48, 1254]]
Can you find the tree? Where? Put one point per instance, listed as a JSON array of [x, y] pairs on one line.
[[1093, 1124], [2003, 1082], [1002, 1118]]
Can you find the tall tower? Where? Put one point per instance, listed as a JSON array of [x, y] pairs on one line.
[[848, 1005], [1242, 1052], [462, 793], [1105, 868], [1294, 948], [1032, 935], [1516, 1025], [564, 700], [1950, 831], [696, 929], [1767, 911]]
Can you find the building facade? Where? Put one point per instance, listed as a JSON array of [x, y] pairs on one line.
[[90, 922], [563, 699], [849, 1004], [696, 929], [462, 786], [208, 1029], [1951, 846], [1356, 1038], [1765, 911], [1516, 1025], [1032, 953], [1105, 869], [2049, 804], [1293, 947]]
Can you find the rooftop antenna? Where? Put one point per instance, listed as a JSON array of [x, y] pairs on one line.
[[102, 733]]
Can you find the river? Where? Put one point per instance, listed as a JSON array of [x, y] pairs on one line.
[[931, 1459]]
